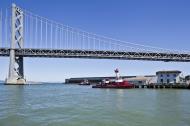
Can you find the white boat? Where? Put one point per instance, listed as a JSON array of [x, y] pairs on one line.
[[85, 82]]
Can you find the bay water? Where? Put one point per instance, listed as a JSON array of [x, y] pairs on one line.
[[74, 105]]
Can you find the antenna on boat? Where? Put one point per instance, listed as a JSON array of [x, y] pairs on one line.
[[117, 73]]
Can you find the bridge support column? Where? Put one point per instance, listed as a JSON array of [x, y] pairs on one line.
[[16, 74], [16, 69]]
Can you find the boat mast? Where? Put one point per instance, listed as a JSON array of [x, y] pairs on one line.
[[117, 74]]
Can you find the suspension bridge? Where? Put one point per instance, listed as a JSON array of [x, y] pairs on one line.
[[25, 34]]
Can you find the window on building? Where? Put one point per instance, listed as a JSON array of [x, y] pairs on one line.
[[168, 75], [168, 81], [174, 80], [161, 80], [174, 75], [161, 75]]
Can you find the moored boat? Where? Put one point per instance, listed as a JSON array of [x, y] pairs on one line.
[[85, 82], [116, 83]]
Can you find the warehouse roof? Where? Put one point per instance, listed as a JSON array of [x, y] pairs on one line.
[[168, 71]]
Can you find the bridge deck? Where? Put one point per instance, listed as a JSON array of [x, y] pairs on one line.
[[167, 57]]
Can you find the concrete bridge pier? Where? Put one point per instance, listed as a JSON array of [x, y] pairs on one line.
[[16, 71], [16, 68]]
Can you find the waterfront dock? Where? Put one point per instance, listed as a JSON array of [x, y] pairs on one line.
[[163, 86]]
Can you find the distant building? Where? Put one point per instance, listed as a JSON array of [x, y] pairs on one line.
[[169, 77], [137, 80], [161, 77], [91, 79], [142, 80], [187, 79]]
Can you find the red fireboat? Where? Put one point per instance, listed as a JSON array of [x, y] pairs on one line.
[[116, 83]]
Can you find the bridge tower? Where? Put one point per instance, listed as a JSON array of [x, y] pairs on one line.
[[16, 69]]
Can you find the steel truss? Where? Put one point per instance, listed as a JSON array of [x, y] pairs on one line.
[[166, 57]]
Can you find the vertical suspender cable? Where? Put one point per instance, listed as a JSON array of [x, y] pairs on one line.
[[70, 32], [41, 34], [82, 39], [36, 34], [87, 42], [31, 34], [46, 36], [118, 47], [25, 28], [67, 38], [110, 45], [78, 40], [64, 37], [71, 38], [99, 42], [70, 42], [5, 28], [1, 40], [28, 28], [60, 37], [94, 43], [29, 31], [51, 36], [55, 37]]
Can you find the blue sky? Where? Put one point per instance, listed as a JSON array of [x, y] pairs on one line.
[[160, 23]]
